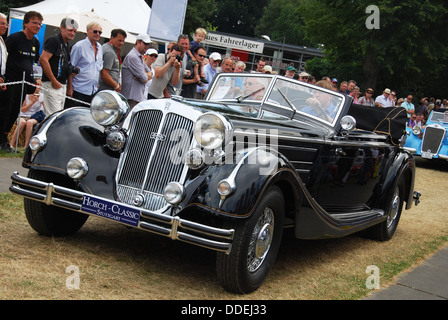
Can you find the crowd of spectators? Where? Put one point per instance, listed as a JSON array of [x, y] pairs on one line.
[[71, 76]]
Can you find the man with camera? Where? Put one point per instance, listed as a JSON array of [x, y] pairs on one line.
[[166, 68], [135, 72], [56, 66]]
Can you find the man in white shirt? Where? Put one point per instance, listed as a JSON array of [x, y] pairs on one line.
[[87, 55], [384, 100]]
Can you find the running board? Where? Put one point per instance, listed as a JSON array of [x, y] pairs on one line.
[[321, 224], [357, 217]]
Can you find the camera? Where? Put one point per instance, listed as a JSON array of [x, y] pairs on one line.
[[179, 58], [72, 69]]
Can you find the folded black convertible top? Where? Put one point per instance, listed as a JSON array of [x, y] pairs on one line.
[[389, 121]]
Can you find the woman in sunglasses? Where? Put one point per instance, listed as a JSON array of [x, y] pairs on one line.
[[367, 99]]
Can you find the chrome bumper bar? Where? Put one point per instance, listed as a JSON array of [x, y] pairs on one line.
[[168, 226]]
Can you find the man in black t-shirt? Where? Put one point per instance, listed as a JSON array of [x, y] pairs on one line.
[[23, 52], [55, 62]]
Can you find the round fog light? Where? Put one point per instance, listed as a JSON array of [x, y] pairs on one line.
[[173, 193], [77, 168], [35, 143], [224, 188]]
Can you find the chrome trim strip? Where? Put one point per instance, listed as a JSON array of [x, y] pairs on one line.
[[344, 143], [171, 227]]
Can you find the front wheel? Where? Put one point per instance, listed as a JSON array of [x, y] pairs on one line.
[[51, 220], [255, 246]]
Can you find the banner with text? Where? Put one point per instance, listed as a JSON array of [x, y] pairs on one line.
[[214, 39]]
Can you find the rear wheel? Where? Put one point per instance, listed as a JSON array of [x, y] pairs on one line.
[[51, 220], [386, 230], [255, 246]]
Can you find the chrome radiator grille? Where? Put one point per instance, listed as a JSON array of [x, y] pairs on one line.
[[152, 157], [432, 139]]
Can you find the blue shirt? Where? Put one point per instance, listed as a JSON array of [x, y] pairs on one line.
[[83, 57], [330, 110], [209, 75]]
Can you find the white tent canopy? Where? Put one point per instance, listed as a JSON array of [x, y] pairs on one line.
[[83, 19], [130, 15]]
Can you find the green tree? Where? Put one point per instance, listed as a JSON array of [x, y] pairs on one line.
[[239, 16], [200, 13], [282, 18], [407, 49], [5, 5]]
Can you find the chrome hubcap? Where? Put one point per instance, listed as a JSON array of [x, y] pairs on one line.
[[261, 240], [395, 208]]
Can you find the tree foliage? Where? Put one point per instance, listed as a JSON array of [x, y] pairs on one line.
[[407, 53], [283, 18], [239, 16]]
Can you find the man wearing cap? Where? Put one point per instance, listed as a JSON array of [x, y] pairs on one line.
[[210, 70], [150, 57], [55, 62], [110, 75], [290, 72], [166, 69], [135, 71], [384, 100], [87, 55]]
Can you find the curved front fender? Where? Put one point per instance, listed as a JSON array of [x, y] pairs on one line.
[[250, 174], [74, 133]]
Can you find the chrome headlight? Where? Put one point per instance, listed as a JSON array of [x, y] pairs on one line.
[[416, 130], [348, 123], [211, 130], [108, 108]]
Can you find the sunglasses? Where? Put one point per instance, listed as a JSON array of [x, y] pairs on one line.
[[370, 92], [97, 31], [154, 55], [202, 56]]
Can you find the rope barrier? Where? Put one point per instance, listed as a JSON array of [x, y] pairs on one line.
[[23, 82]]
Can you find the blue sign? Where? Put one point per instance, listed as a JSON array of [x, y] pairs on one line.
[[111, 210]]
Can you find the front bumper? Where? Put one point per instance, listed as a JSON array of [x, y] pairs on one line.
[[168, 226]]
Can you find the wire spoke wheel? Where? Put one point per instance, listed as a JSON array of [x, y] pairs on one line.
[[255, 245], [261, 240]]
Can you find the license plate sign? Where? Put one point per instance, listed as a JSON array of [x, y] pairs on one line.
[[427, 155], [111, 210]]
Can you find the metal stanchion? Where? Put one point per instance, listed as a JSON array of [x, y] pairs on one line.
[[20, 110]]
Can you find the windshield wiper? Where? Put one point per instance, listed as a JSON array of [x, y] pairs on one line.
[[242, 98], [291, 105]]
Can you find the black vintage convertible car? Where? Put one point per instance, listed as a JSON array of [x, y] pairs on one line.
[[229, 173]]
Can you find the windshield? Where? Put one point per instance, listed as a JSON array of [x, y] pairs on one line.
[[280, 93], [439, 117], [240, 88]]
